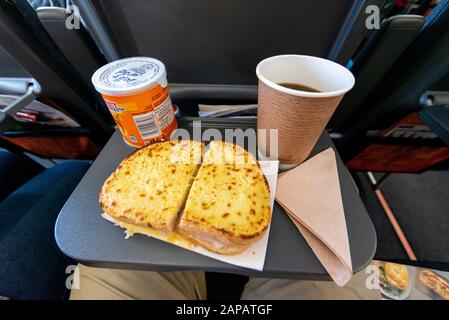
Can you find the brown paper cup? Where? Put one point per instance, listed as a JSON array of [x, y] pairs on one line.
[[299, 116]]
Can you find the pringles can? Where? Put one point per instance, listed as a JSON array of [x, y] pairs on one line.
[[136, 93]]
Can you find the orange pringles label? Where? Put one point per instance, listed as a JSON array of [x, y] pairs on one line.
[[136, 93], [143, 118]]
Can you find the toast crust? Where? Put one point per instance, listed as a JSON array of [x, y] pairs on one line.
[[225, 250]]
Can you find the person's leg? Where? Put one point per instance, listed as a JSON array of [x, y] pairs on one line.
[[109, 284], [277, 289]]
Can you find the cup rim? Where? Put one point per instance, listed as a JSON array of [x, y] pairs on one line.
[[299, 93]]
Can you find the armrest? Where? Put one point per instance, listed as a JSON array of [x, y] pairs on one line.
[[437, 118], [30, 90]]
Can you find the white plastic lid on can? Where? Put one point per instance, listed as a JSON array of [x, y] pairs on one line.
[[129, 76]]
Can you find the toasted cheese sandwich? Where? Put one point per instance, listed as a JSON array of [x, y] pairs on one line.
[[397, 275], [149, 188], [228, 207], [436, 283]]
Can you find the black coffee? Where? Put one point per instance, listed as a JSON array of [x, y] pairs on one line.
[[299, 87]]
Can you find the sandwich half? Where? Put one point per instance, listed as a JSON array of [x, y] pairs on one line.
[[228, 207], [149, 188]]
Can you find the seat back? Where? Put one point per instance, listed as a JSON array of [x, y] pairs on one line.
[[76, 44], [24, 38], [10, 68], [424, 62], [220, 42], [379, 54]]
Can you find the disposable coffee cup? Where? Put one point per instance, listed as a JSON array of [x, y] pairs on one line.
[[300, 117]]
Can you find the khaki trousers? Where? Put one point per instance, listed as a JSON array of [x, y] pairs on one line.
[[108, 284]]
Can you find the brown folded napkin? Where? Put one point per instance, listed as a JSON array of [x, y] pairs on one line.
[[311, 196]]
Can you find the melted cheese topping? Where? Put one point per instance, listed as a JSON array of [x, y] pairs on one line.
[[173, 237], [230, 192], [150, 187]]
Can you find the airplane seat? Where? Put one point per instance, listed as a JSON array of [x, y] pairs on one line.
[[373, 60], [211, 49], [422, 64], [15, 170], [435, 112], [47, 3], [26, 39], [32, 265], [76, 44], [9, 67]]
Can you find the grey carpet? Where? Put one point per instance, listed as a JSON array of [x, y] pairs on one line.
[[421, 205], [388, 244]]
